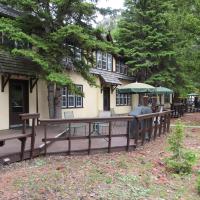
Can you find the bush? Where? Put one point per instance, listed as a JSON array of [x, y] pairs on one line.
[[198, 184], [181, 160]]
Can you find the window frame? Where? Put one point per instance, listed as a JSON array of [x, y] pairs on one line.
[[121, 68], [104, 61], [123, 99], [75, 97]]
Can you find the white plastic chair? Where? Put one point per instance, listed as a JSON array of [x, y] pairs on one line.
[[74, 126]]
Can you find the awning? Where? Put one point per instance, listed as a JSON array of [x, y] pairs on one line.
[[17, 65], [106, 76]]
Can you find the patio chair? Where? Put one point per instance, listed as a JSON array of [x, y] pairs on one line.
[[97, 126], [74, 126]]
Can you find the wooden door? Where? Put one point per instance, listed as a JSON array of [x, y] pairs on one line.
[[106, 98], [18, 100]]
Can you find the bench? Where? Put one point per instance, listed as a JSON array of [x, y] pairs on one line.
[[23, 135]]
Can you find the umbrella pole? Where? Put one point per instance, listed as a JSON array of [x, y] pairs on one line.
[[160, 99]]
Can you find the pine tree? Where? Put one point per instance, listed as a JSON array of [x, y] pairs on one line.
[[144, 36], [54, 28]]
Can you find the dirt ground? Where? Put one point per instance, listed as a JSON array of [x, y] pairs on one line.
[[137, 175]]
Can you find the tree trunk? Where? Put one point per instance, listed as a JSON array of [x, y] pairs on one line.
[[51, 100], [57, 111]]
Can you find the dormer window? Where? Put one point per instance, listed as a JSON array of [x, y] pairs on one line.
[[121, 68], [104, 61]]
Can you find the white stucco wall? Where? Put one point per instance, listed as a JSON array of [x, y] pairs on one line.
[[4, 107], [90, 101]]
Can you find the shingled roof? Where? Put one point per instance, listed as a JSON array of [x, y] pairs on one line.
[[111, 77], [17, 65], [8, 11]]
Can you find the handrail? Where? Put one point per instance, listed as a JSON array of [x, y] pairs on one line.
[[84, 120]]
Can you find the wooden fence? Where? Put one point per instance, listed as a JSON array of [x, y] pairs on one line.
[[145, 127]]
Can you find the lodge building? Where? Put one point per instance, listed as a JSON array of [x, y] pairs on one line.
[[22, 90]]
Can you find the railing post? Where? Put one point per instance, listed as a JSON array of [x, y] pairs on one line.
[[45, 139], [137, 131], [32, 138], [160, 126], [69, 140], [142, 132], [168, 122], [165, 123], [151, 128], [23, 140], [109, 139], [89, 138], [155, 127], [128, 135]]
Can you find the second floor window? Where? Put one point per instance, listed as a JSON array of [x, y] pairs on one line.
[[121, 67], [104, 61], [70, 100]]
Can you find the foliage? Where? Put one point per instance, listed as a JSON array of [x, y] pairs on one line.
[[128, 188], [198, 184], [144, 35], [51, 32], [181, 160]]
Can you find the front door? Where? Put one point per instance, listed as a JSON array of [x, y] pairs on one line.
[[106, 98], [18, 100]]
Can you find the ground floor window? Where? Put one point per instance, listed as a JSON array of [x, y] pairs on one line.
[[167, 98], [123, 99], [70, 100]]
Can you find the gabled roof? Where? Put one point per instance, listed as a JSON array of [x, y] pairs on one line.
[[8, 11], [17, 65]]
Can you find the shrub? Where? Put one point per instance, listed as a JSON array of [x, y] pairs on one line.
[[181, 160]]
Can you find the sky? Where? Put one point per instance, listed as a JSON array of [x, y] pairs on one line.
[[115, 4]]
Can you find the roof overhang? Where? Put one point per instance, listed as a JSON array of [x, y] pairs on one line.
[[17, 65], [109, 77]]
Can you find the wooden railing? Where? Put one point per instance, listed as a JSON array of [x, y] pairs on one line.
[[22, 137], [25, 118], [146, 127], [178, 109]]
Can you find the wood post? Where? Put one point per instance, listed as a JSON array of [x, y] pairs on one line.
[[128, 136], [109, 136], [89, 138]]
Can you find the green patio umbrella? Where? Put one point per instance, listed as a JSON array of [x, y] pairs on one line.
[[136, 88], [193, 94], [163, 90]]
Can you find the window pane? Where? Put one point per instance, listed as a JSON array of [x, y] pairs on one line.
[[71, 100], [129, 99], [109, 62], [79, 99], [104, 61], [99, 60], [118, 67], [64, 97]]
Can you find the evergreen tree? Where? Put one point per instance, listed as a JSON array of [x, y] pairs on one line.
[[54, 28], [146, 40], [184, 21]]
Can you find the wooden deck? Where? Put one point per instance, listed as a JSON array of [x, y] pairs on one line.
[[83, 136], [13, 147]]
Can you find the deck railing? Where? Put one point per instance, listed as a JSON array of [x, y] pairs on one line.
[[113, 133]]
